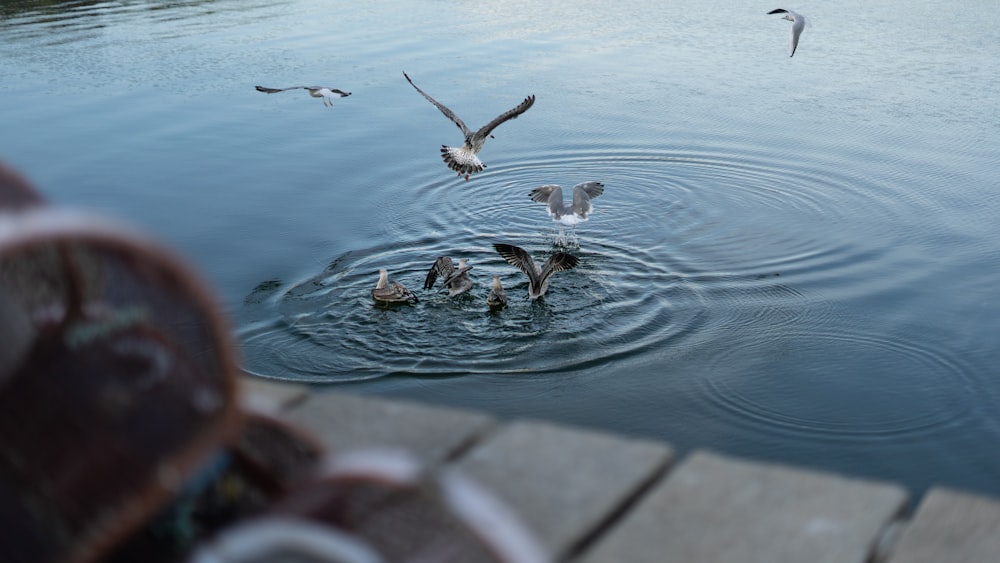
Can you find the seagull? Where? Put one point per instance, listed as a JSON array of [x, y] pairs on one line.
[[538, 278], [456, 280], [391, 291], [496, 299], [464, 160], [564, 214], [328, 94], [798, 24]]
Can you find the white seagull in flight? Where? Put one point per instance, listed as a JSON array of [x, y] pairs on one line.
[[455, 279], [538, 277], [574, 213], [464, 160], [798, 24], [328, 94]]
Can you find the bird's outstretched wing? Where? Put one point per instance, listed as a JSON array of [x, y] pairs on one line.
[[443, 267], [543, 194], [447, 112], [556, 263], [582, 194], [505, 116], [592, 189], [267, 90], [519, 258], [549, 194], [798, 24], [454, 275]]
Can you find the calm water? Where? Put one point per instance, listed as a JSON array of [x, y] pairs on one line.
[[795, 259]]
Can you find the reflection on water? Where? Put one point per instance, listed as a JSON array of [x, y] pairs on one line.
[[57, 23], [793, 258]]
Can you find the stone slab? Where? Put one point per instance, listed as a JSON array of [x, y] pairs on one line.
[[565, 483], [433, 434], [714, 508], [271, 396], [951, 526]]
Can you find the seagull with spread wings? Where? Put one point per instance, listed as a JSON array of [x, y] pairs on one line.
[[455, 279], [574, 213], [464, 159], [328, 94], [798, 24], [538, 277]]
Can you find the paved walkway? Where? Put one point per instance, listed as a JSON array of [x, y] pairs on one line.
[[595, 497]]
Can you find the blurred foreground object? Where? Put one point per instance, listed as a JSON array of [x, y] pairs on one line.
[[15, 192], [117, 383], [381, 505]]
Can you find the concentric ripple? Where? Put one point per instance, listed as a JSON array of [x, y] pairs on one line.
[[680, 245], [903, 389], [326, 328]]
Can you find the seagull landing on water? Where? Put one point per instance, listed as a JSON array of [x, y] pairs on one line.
[[572, 214], [328, 94], [798, 24], [455, 279], [464, 159], [497, 298], [391, 291], [538, 277]]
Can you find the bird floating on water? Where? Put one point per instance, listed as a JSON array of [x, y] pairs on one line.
[[538, 277], [328, 94], [455, 279], [798, 24], [464, 159], [391, 291], [496, 298], [571, 214]]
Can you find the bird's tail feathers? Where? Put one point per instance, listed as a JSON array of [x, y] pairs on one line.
[[461, 160]]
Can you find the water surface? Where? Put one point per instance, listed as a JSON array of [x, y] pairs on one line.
[[794, 258]]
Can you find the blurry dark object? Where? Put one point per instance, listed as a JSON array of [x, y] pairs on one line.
[[15, 192], [407, 512], [119, 386], [285, 540], [269, 458]]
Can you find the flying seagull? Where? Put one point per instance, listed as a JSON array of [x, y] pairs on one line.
[[497, 298], [391, 291], [328, 94], [538, 278], [798, 24], [464, 160], [455, 279], [575, 213]]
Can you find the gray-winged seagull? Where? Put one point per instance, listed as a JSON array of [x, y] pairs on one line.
[[496, 298], [538, 277], [798, 24], [464, 160], [455, 279], [328, 94], [391, 291], [571, 214]]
